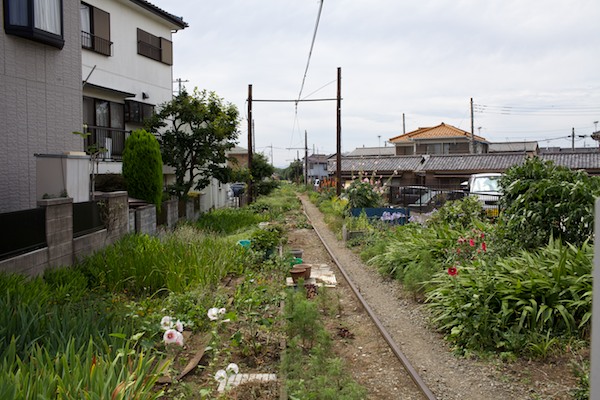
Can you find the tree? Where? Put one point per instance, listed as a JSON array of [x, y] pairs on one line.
[[142, 167], [261, 175], [541, 200], [195, 132], [261, 172]]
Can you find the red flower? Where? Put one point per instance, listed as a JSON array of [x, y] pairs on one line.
[[483, 246], [471, 242], [452, 271]]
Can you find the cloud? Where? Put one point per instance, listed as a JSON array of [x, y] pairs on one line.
[[425, 59]]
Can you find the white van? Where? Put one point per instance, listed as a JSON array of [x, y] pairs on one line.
[[487, 189]]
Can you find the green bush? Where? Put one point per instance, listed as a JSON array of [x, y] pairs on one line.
[[516, 302], [142, 167], [542, 200], [361, 194]]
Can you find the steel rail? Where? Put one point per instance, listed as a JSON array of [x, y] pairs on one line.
[[414, 375]]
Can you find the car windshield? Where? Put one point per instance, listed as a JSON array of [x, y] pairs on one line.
[[485, 184]]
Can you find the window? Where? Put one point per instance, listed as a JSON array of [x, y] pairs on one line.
[[95, 29], [154, 47], [39, 20], [136, 111]]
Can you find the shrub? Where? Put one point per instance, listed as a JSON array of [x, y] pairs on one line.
[[142, 167], [512, 303], [541, 200], [361, 194]]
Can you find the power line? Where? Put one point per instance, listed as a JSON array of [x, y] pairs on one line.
[[537, 110], [311, 49]]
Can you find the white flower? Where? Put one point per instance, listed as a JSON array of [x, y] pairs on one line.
[[222, 311], [179, 339], [172, 336], [213, 313], [221, 375], [166, 322], [179, 326], [232, 369]]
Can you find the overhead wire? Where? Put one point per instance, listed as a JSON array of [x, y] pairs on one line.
[[312, 45]]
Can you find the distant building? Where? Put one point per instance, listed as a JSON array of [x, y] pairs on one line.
[[529, 147], [317, 167], [372, 151], [240, 154], [440, 139]]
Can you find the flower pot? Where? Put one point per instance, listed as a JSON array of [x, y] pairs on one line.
[[307, 270], [297, 273]]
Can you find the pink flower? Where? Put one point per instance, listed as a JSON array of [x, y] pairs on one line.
[[452, 271], [179, 326], [172, 336], [483, 246], [471, 242]]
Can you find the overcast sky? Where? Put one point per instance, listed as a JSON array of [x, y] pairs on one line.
[[531, 67]]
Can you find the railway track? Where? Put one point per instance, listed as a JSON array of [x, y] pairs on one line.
[[394, 347]]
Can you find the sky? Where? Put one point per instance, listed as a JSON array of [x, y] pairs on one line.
[[530, 66]]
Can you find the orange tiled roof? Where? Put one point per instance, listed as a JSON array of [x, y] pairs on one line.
[[441, 131]]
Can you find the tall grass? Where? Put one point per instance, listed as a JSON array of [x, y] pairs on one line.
[[229, 221], [79, 372], [141, 264]]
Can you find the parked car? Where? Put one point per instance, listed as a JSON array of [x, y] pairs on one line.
[[435, 199], [405, 195], [487, 190]]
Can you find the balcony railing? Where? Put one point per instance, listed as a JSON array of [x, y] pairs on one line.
[[110, 141], [96, 43]]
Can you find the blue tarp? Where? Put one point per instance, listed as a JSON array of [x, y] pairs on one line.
[[393, 215]]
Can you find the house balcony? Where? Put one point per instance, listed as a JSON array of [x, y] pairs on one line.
[[110, 141], [96, 43]]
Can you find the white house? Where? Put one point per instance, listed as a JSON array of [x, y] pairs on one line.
[[127, 58]]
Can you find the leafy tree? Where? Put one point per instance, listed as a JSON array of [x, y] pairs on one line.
[[142, 167], [294, 171], [261, 173], [195, 133], [542, 200]]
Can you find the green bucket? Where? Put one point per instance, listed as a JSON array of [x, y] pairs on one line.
[[296, 261], [244, 243]]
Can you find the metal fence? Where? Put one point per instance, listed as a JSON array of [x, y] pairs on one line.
[[22, 231], [87, 218]]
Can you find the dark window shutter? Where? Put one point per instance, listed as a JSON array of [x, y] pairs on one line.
[[101, 31], [166, 47]]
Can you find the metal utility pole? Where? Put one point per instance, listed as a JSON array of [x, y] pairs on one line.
[[472, 142], [573, 139], [250, 145], [338, 158], [403, 124], [306, 158]]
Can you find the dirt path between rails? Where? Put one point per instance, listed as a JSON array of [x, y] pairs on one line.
[[447, 376]]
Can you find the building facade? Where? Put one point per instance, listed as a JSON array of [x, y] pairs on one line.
[[40, 86]]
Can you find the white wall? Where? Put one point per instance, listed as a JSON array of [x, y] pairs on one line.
[[126, 70]]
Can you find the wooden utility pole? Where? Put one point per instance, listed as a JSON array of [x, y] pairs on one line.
[[338, 158], [573, 139], [306, 159], [250, 145], [472, 141], [403, 124]]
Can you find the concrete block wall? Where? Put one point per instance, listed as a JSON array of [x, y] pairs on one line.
[[145, 220], [62, 249], [59, 230]]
